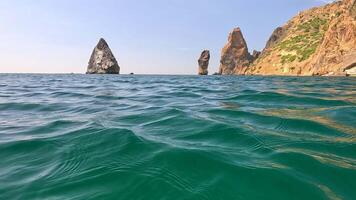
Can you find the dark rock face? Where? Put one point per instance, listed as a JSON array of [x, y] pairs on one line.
[[235, 57], [255, 55], [204, 62], [275, 37], [102, 60]]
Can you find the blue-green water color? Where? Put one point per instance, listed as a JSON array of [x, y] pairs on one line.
[[177, 137]]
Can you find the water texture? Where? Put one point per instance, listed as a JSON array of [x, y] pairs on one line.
[[176, 137]]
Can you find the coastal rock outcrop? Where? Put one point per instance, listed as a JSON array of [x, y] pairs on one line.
[[275, 37], [320, 41], [255, 55], [353, 10], [102, 60], [204, 62], [235, 57]]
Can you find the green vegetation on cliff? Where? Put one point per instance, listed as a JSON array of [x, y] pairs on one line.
[[317, 41], [308, 36]]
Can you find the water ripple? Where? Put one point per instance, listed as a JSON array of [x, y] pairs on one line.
[[176, 137]]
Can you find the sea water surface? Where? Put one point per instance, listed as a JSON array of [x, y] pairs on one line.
[[176, 137]]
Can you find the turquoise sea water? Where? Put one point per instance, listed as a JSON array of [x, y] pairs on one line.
[[177, 137]]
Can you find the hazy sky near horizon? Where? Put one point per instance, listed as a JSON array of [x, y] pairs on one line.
[[147, 37]]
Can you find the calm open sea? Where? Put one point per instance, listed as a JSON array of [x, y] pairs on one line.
[[177, 137]]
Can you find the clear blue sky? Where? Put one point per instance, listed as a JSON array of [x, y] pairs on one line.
[[146, 36]]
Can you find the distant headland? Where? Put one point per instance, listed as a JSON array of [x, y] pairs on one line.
[[317, 42]]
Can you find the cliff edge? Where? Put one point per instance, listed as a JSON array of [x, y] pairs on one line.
[[319, 41]]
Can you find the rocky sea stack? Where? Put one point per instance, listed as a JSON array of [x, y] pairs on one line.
[[102, 60], [235, 57], [204, 62]]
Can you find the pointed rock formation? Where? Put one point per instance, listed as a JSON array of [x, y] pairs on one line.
[[204, 62], [102, 60], [235, 57]]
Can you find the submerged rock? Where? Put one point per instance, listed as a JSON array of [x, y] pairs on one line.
[[235, 57], [204, 62], [102, 60]]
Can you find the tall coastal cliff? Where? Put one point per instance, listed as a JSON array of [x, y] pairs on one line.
[[319, 41]]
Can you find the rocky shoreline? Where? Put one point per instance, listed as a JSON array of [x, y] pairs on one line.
[[317, 42]]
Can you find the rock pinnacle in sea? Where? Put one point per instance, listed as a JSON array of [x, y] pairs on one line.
[[234, 56], [102, 60], [204, 62]]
